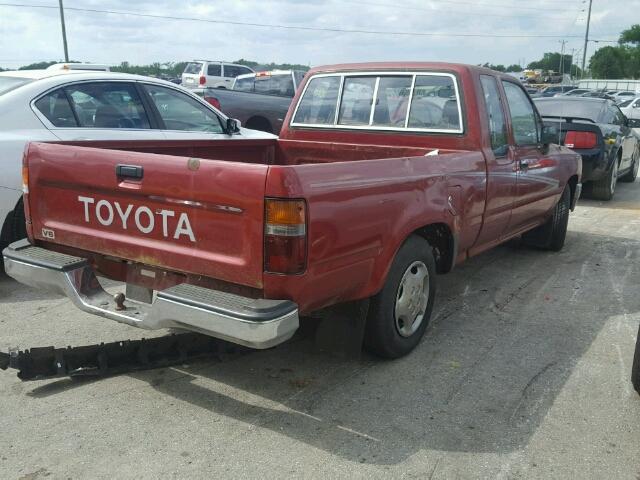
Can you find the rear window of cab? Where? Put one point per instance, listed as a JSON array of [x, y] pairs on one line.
[[421, 101]]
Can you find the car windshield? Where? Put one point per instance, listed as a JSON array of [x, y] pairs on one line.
[[9, 83], [281, 84], [193, 68], [568, 108], [626, 103]]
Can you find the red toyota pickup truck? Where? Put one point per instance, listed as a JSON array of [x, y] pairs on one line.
[[384, 175]]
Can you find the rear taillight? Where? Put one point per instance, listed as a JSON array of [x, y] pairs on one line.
[[25, 179], [285, 236], [580, 140], [202, 80], [214, 101]]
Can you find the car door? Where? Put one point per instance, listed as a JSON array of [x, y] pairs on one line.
[[96, 110], [180, 116], [537, 184], [627, 138], [501, 166]]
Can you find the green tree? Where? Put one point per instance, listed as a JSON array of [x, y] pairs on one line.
[[37, 65], [631, 35], [552, 61], [514, 68], [497, 68], [608, 62]]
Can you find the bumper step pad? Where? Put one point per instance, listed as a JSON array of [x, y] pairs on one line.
[[24, 251], [106, 359]]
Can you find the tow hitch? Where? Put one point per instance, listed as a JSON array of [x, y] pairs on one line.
[[113, 358]]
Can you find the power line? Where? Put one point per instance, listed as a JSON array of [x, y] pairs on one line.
[[292, 27], [438, 8], [479, 4]]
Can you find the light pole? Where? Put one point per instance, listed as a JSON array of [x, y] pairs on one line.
[[586, 37], [64, 32]]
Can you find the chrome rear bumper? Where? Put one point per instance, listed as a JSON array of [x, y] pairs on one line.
[[255, 323]]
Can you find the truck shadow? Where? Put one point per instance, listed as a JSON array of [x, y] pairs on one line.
[[508, 328]]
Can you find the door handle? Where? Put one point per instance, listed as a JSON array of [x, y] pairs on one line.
[[129, 171]]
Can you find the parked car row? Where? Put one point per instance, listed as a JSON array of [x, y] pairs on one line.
[[597, 129], [618, 96]]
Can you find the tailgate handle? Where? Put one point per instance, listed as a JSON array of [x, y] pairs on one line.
[[129, 171]]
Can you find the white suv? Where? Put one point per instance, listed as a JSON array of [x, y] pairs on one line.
[[205, 73]]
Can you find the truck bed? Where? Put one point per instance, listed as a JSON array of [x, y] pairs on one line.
[[198, 211]]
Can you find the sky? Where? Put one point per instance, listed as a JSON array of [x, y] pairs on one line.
[[522, 30]]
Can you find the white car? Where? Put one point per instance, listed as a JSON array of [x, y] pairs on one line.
[[210, 74], [72, 105], [631, 108], [622, 95]]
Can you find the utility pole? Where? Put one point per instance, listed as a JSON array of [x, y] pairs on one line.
[[563, 42], [64, 32], [586, 38], [573, 56]]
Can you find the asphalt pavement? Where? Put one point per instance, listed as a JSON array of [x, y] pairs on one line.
[[524, 372]]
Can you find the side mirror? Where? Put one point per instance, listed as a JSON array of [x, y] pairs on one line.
[[550, 134], [633, 122], [233, 126]]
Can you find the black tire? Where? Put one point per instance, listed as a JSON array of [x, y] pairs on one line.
[[14, 227], [635, 367], [631, 175], [604, 188], [383, 335], [552, 234]]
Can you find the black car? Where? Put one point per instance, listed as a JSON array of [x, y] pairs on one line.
[[555, 90], [598, 95], [597, 130]]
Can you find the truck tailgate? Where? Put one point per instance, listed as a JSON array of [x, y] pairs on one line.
[[184, 214]]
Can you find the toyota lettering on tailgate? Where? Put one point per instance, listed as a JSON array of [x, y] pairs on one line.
[[142, 217]]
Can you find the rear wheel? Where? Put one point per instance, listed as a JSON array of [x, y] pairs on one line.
[[14, 227], [553, 233], [604, 188], [400, 312]]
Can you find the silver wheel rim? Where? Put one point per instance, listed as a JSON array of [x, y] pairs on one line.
[[412, 299], [614, 175]]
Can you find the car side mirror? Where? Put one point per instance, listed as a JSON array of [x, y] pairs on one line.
[[233, 126], [633, 122]]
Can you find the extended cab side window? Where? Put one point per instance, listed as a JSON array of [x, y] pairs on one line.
[[434, 104], [524, 122], [357, 98], [107, 105], [55, 106], [181, 112], [495, 114], [318, 105]]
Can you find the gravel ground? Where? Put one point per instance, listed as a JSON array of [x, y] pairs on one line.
[[523, 373]]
